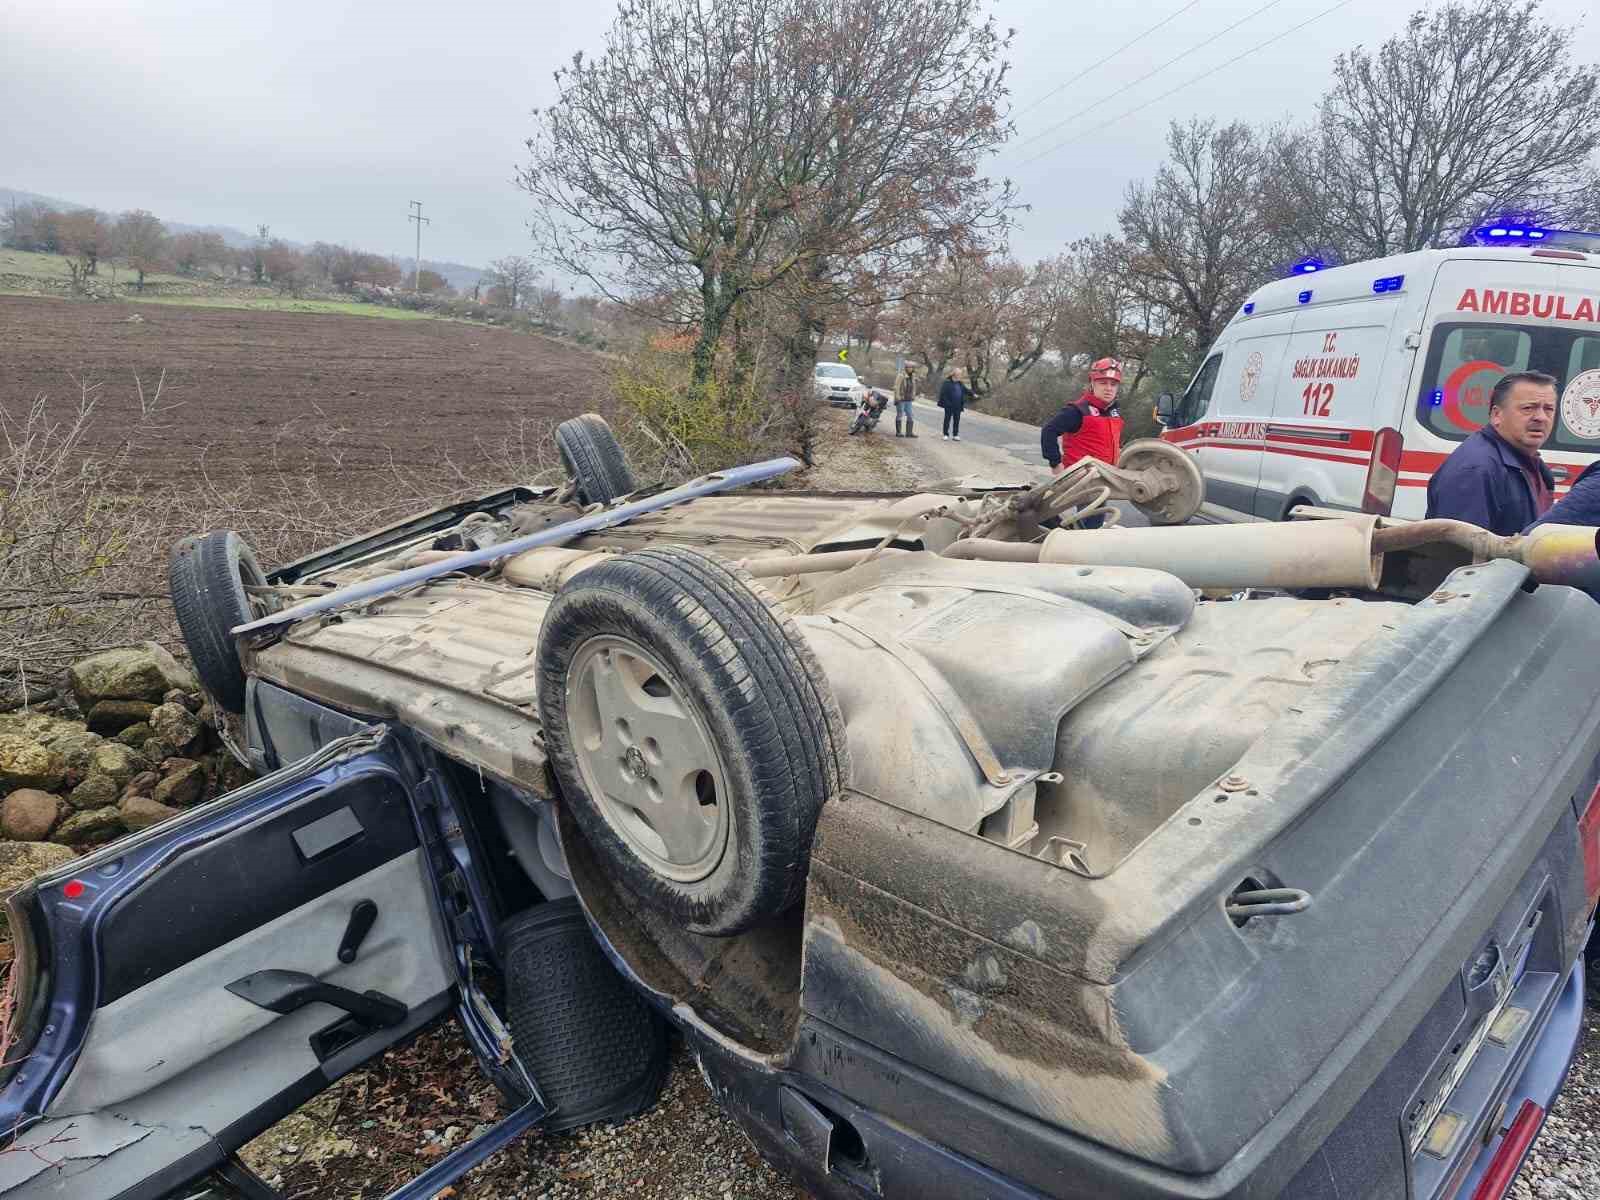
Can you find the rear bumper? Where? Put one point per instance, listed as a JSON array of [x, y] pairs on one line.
[[842, 1146], [1543, 1072]]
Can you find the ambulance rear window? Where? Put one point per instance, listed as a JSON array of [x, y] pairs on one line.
[[1465, 362]]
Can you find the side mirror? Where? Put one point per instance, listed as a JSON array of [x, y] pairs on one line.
[[1166, 408]]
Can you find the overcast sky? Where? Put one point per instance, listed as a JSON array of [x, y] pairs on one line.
[[323, 119]]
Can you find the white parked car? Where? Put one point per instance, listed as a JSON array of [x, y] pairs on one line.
[[837, 384]]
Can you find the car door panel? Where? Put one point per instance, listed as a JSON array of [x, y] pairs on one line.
[[147, 1069]]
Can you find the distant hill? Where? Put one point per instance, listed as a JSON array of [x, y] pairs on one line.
[[459, 275]]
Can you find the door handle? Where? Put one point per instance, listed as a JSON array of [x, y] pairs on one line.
[[287, 991]]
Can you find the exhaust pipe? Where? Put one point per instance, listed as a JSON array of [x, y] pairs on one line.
[[1565, 554], [1231, 557]]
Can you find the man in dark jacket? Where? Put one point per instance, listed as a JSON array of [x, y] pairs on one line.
[[1496, 478], [953, 397]]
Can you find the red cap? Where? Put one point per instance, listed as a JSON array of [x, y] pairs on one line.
[[1105, 368]]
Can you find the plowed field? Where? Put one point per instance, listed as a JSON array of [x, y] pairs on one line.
[[347, 399]]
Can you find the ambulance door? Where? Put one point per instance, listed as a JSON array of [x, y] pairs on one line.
[[1223, 415], [1318, 442]]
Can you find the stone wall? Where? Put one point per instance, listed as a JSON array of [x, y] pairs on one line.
[[143, 747]]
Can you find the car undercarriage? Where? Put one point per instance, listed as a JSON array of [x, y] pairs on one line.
[[964, 841]]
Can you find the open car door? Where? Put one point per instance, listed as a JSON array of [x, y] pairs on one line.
[[183, 989]]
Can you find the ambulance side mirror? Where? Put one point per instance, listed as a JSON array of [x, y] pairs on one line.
[[1166, 408]]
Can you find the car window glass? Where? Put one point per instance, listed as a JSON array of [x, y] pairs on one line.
[[835, 372], [1198, 398], [1465, 361]]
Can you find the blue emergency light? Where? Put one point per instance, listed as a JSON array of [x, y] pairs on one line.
[[1250, 307], [1305, 296], [1436, 397], [1308, 266], [1519, 233], [1389, 283]]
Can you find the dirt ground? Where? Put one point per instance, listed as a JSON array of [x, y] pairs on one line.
[[345, 398]]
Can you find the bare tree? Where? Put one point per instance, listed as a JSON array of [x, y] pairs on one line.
[[283, 265], [33, 226], [1013, 311], [1475, 110], [193, 252], [515, 273], [1106, 311], [998, 318], [320, 260], [433, 283], [718, 147], [1197, 234], [85, 236], [546, 304], [141, 240]]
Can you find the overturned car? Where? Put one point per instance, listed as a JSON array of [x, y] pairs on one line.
[[974, 853]]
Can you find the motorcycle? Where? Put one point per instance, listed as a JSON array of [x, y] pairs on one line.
[[869, 408]]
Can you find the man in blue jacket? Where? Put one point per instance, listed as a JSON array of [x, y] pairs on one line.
[[1496, 478]]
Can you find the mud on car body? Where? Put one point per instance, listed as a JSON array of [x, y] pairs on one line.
[[974, 854]]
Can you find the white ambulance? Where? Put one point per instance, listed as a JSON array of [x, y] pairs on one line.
[[1347, 387]]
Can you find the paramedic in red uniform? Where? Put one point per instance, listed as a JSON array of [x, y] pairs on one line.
[[1496, 478], [1089, 427]]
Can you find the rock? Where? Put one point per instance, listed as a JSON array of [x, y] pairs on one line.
[[142, 672], [21, 861], [28, 815], [77, 748], [190, 700], [136, 736], [96, 791], [27, 763], [141, 812], [155, 749], [183, 786], [112, 716], [41, 727], [177, 727], [91, 827], [121, 763], [142, 784]]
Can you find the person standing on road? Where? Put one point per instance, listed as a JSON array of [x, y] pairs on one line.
[[905, 392], [953, 397], [1090, 426], [1496, 478]]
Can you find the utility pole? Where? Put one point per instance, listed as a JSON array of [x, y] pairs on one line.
[[416, 275]]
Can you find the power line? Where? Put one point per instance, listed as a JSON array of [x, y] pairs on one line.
[[1186, 83], [1102, 62], [1148, 74]]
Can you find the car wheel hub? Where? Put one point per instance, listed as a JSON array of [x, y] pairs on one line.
[[647, 759]]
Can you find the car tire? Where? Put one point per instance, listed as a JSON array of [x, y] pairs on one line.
[[206, 578], [691, 732], [594, 459]]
